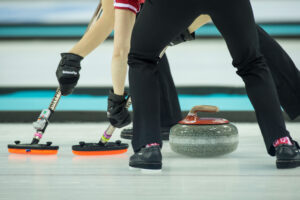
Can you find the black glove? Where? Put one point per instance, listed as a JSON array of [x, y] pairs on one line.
[[183, 37], [67, 72], [117, 114]]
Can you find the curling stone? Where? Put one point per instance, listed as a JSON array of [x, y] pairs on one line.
[[203, 137]]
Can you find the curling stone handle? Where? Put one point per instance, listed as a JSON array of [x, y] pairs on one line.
[[193, 119], [203, 108]]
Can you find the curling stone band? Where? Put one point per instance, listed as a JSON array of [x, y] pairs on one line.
[[203, 137]]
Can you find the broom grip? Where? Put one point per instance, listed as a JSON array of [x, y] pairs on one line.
[[55, 100], [110, 130]]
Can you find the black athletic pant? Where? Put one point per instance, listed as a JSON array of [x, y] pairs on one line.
[[285, 74], [170, 112], [166, 18]]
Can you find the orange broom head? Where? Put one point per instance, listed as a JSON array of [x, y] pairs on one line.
[[93, 149], [99, 153], [33, 151], [37, 149]]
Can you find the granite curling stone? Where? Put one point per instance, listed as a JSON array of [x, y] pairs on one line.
[[203, 137]]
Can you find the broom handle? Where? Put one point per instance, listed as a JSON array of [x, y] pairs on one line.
[[55, 100], [43, 120], [95, 16]]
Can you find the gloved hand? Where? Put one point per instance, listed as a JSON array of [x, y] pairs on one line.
[[183, 37], [67, 72], [117, 114]]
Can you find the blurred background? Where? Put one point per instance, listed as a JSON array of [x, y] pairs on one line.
[[33, 33]]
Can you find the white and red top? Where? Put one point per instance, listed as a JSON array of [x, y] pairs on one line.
[[132, 5]]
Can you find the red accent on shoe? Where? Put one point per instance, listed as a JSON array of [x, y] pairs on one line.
[[284, 140], [152, 144]]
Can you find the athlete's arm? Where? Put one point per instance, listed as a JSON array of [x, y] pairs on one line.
[[124, 22], [189, 34], [67, 72], [98, 31], [125, 14], [198, 22]]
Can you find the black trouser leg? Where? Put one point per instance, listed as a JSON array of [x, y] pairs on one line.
[[285, 74], [151, 34], [170, 112], [146, 118], [237, 26]]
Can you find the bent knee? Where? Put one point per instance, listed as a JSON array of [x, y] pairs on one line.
[[137, 59], [252, 66]]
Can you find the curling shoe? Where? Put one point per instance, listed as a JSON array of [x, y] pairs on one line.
[[148, 158], [288, 156]]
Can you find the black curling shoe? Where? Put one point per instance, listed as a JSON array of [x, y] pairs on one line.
[[147, 158], [127, 133], [288, 156]]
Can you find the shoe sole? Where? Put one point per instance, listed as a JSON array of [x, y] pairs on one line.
[[287, 164], [146, 166], [146, 171]]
